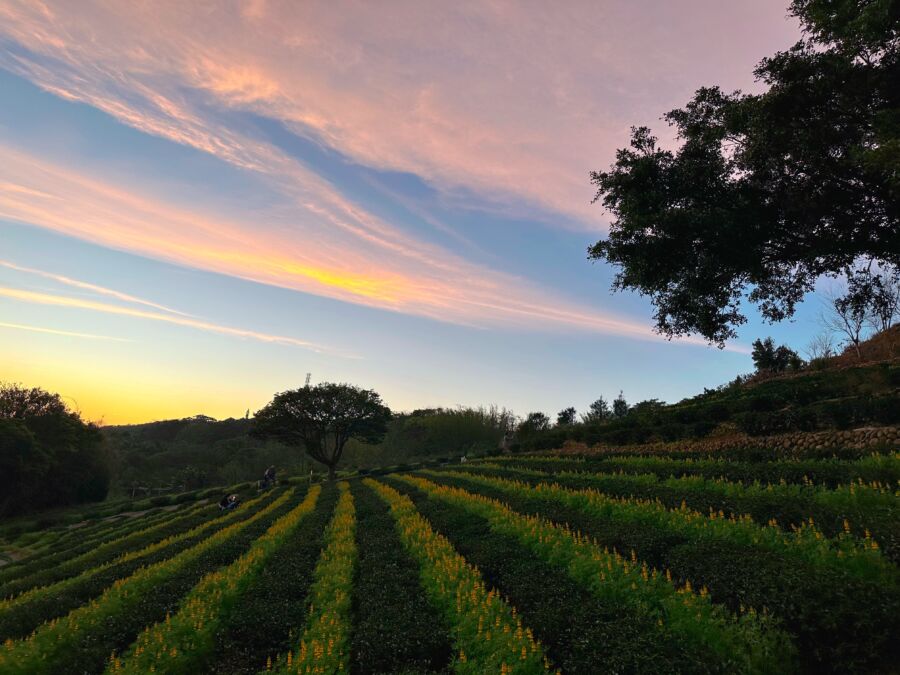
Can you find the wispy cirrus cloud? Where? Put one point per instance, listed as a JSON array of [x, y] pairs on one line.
[[405, 277], [511, 101], [544, 100], [93, 288], [90, 305], [63, 333]]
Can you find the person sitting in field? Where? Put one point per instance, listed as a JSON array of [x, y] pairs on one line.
[[228, 502], [268, 478]]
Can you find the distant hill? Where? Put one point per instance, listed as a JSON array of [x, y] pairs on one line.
[[883, 346]]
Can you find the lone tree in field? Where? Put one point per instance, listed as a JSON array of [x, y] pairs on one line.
[[322, 419], [767, 191]]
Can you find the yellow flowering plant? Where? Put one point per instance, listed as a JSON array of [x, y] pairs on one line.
[[488, 634], [50, 590], [179, 644], [49, 645], [844, 552], [747, 643], [324, 643]]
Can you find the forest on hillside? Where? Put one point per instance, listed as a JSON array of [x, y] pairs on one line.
[[200, 451]]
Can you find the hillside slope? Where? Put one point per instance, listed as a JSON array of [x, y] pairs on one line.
[[839, 393]]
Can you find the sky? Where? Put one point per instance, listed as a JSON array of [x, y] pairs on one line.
[[202, 202]]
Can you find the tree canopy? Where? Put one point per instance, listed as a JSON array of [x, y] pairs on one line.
[[766, 192], [597, 412], [620, 406], [534, 422], [771, 359], [321, 419], [48, 455], [566, 416]]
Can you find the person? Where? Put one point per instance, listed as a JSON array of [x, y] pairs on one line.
[[268, 477], [228, 502]]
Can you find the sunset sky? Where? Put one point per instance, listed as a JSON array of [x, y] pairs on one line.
[[200, 202]]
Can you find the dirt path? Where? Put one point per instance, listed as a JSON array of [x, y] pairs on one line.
[[13, 555]]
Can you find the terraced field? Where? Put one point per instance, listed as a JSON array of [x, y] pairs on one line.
[[523, 564]]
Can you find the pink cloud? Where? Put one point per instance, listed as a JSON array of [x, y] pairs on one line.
[[516, 101], [511, 102]]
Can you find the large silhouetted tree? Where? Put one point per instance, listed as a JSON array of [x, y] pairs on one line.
[[768, 191], [322, 419], [49, 456]]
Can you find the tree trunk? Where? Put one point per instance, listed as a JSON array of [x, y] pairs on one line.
[[332, 474]]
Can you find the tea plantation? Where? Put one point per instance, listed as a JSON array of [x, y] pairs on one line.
[[620, 563]]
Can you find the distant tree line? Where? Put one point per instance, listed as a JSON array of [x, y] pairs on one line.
[[193, 452], [199, 451], [757, 404], [435, 433], [49, 456]]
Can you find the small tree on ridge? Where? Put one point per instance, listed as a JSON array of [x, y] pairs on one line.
[[597, 412], [620, 406], [565, 417]]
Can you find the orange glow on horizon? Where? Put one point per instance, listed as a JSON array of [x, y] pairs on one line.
[[109, 396]]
